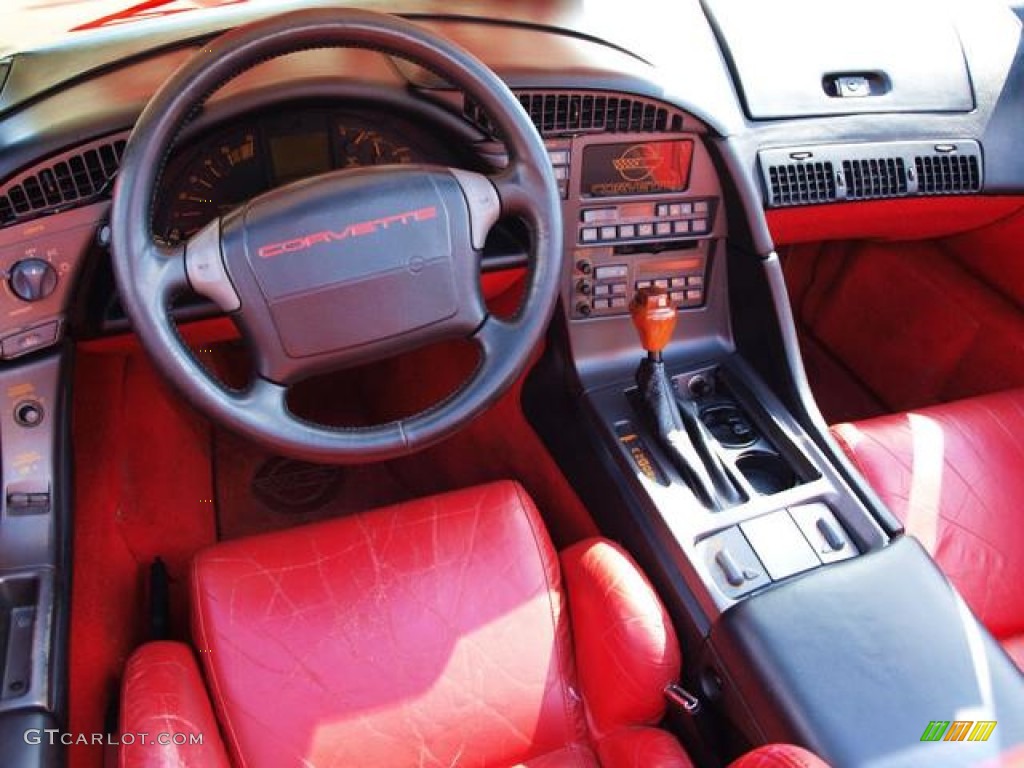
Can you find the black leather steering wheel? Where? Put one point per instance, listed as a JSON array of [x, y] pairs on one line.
[[312, 272]]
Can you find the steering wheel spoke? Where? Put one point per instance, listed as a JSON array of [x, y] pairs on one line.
[[161, 272]]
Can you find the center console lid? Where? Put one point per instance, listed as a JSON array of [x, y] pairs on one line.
[[856, 660]]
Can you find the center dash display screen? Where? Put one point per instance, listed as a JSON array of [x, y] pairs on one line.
[[647, 168]]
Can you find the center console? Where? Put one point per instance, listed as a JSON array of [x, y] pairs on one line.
[[805, 615]]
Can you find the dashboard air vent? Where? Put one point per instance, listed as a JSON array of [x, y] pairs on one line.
[[793, 183], [840, 172], [572, 112], [948, 174], [877, 177], [74, 177]]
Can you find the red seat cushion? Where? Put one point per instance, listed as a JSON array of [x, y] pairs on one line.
[[954, 474], [431, 633]]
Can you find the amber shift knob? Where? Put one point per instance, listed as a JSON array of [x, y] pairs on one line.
[[654, 318]]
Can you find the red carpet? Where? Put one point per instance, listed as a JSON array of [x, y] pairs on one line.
[[142, 488], [906, 324]]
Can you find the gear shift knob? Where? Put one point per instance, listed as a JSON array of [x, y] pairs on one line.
[[654, 318]]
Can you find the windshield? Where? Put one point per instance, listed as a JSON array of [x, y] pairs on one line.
[[34, 23]]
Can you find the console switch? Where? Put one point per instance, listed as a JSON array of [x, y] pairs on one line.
[[28, 502], [732, 564], [823, 531]]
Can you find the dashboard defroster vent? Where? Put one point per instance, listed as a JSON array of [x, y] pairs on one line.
[[557, 113], [843, 172], [72, 178]]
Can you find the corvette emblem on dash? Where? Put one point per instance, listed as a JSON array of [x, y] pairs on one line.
[[356, 229], [638, 162]]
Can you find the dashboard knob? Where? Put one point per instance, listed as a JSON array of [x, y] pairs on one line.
[[33, 279]]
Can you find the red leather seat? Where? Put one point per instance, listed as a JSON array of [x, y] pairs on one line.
[[954, 474], [442, 632]]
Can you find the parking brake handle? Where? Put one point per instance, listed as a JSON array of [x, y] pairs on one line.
[[679, 429]]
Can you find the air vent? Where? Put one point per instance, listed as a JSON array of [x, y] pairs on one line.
[[558, 113], [877, 177], [839, 172], [74, 177], [794, 184], [947, 174]]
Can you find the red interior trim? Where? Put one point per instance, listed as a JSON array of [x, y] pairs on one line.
[[906, 219]]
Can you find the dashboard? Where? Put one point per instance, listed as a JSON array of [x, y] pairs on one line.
[[658, 167]]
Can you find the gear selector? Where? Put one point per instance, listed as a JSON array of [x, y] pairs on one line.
[[678, 427]]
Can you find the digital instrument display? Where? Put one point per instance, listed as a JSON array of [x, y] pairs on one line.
[[298, 155], [644, 168]]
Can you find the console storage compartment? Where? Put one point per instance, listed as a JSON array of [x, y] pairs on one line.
[[857, 659]]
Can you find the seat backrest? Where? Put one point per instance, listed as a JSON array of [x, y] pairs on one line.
[[431, 632], [952, 474]]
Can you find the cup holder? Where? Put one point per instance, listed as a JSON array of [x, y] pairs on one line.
[[767, 473]]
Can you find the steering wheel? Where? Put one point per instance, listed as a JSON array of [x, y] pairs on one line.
[[343, 268]]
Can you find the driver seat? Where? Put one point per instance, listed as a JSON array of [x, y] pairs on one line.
[[439, 632]]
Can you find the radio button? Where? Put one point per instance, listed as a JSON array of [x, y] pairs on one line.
[[612, 272], [595, 215]]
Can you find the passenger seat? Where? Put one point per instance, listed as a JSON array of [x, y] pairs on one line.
[[954, 474]]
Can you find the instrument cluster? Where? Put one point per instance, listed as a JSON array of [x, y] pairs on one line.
[[236, 162]]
